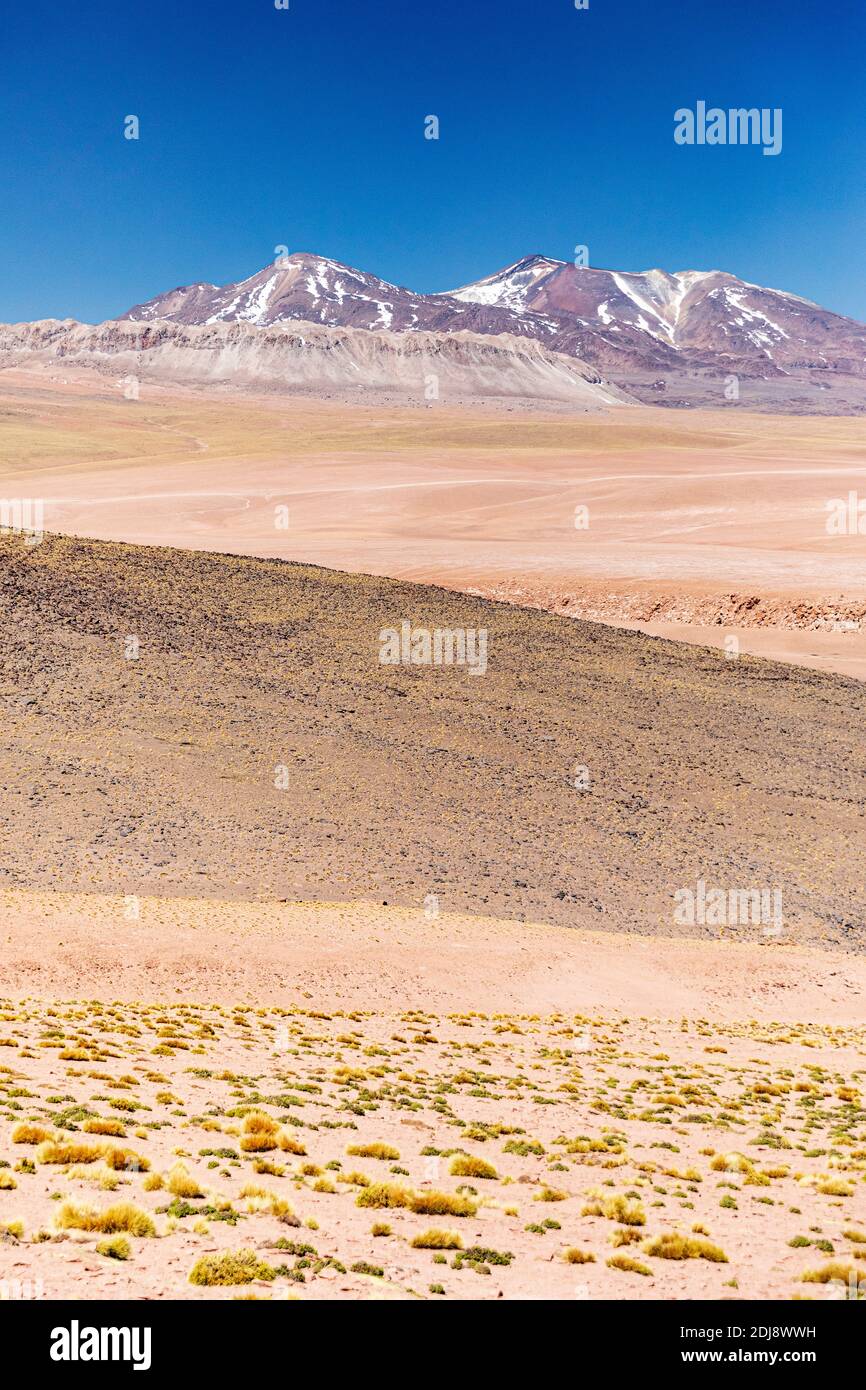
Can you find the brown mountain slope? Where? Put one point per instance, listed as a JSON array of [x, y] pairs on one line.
[[158, 774]]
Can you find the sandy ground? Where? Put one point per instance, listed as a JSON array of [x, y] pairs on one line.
[[608, 1108], [701, 525], [365, 956]]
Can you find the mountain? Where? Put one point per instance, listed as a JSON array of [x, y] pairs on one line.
[[311, 357], [648, 331], [709, 315]]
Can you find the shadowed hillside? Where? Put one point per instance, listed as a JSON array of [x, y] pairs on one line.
[[157, 774]]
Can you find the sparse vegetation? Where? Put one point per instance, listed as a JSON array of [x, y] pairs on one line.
[[437, 1240], [628, 1265], [241, 1267], [672, 1245], [123, 1216]]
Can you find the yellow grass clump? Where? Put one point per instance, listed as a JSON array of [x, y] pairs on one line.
[[628, 1265], [672, 1245], [258, 1143], [441, 1204], [382, 1151], [115, 1128], [835, 1187], [123, 1216], [290, 1145], [121, 1159], [466, 1166], [384, 1194], [731, 1163], [626, 1210], [260, 1133], [260, 1199], [574, 1256], [355, 1179], [68, 1151], [831, 1272], [240, 1267], [626, 1235], [31, 1134], [437, 1240], [181, 1183], [115, 1248], [268, 1169]]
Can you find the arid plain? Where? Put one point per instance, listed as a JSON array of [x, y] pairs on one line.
[[266, 901], [699, 525]]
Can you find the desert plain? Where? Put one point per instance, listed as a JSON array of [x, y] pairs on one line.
[[695, 524], [324, 1114], [328, 979]]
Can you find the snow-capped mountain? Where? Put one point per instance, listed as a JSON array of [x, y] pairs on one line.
[[632, 326], [294, 287], [711, 316]]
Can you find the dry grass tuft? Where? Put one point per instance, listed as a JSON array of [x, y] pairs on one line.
[[672, 1245], [382, 1151], [628, 1265], [123, 1216], [442, 1204], [290, 1145], [68, 1151], [241, 1267], [626, 1235], [835, 1187], [31, 1134], [467, 1166], [831, 1272], [437, 1240], [115, 1248], [626, 1210], [115, 1128], [384, 1194], [181, 1183]]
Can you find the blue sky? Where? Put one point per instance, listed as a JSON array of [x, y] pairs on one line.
[[304, 127]]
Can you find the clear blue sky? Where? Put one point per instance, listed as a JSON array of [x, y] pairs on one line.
[[304, 127]]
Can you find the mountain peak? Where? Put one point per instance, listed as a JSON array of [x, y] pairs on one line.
[[623, 323]]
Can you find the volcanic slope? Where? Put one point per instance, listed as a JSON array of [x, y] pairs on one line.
[[179, 723]]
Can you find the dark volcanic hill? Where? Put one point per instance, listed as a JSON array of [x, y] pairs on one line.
[[255, 747]]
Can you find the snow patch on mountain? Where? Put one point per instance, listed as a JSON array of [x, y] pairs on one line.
[[509, 287]]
